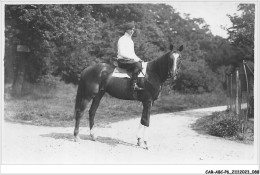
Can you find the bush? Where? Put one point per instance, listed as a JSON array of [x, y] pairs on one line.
[[196, 77], [226, 124], [44, 87], [224, 128], [48, 80]]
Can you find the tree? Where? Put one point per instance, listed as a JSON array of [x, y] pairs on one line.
[[241, 34], [66, 38], [54, 34], [25, 26]]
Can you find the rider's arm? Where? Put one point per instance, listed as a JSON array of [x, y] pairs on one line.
[[126, 50]]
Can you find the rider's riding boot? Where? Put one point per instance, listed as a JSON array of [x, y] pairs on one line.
[[133, 82]]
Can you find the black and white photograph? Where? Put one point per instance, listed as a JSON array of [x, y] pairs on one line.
[[126, 84]]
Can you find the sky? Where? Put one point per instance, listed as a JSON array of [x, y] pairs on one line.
[[214, 13]]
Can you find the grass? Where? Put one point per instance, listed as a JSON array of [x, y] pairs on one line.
[[227, 125], [171, 102], [55, 107]]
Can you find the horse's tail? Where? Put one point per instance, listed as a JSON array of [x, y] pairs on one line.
[[81, 101], [80, 106]]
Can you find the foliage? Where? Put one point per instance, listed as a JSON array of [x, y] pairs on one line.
[[241, 34], [66, 38], [52, 32], [49, 81], [196, 77], [224, 128], [225, 124]]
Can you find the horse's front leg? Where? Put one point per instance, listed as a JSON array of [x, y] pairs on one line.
[[142, 134]]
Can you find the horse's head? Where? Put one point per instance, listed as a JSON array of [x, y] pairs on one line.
[[175, 61]]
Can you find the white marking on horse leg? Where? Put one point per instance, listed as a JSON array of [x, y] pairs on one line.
[[145, 133], [142, 136], [93, 134], [145, 137], [77, 138], [140, 131]]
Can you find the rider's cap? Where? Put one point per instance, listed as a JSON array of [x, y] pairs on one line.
[[130, 25]]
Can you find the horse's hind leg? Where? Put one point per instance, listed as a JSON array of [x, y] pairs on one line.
[[80, 106], [92, 112]]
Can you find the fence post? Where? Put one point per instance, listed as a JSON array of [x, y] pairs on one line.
[[231, 93], [247, 91], [228, 93], [237, 99]]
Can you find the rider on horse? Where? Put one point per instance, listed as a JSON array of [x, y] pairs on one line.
[[126, 57]]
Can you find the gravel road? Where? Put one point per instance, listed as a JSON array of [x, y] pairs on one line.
[[171, 141]]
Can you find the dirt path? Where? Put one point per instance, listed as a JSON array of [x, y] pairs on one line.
[[172, 141]]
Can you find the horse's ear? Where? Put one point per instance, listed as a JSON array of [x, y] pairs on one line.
[[171, 47], [180, 48]]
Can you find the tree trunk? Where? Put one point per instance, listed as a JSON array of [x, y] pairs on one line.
[[19, 74]]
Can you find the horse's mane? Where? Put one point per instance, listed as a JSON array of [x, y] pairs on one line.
[[160, 66]]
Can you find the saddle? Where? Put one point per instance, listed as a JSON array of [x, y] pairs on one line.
[[123, 73]]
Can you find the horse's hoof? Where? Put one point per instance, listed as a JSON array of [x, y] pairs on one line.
[[142, 144], [76, 139], [93, 137], [145, 145], [139, 142]]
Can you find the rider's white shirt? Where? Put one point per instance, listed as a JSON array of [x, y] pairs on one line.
[[125, 47]]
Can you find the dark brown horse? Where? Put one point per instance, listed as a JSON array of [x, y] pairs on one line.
[[96, 80]]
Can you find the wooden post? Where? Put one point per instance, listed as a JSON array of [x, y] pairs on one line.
[[247, 91], [231, 93], [240, 97], [228, 93], [237, 107]]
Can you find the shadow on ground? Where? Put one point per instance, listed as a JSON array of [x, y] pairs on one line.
[[107, 140]]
